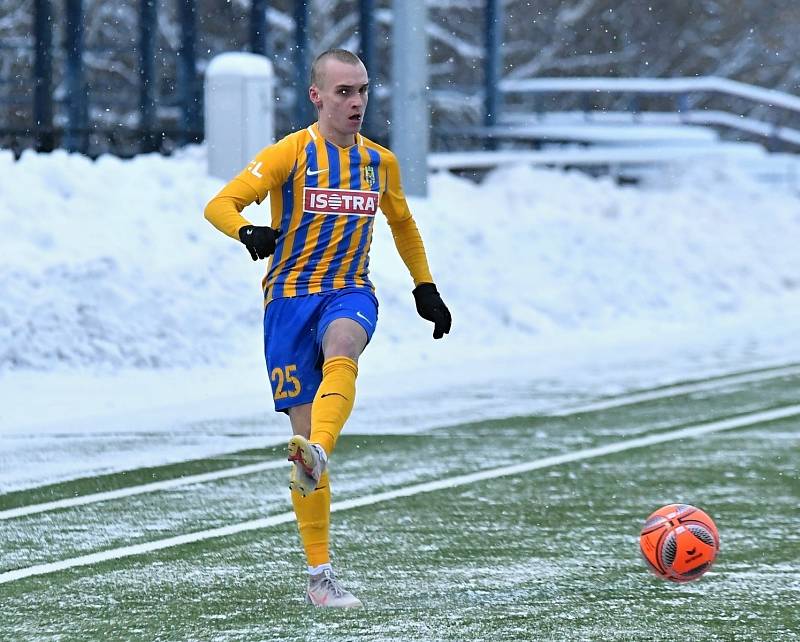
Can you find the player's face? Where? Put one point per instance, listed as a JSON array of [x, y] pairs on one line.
[[341, 98]]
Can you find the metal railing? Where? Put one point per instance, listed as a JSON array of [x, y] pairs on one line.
[[680, 89]]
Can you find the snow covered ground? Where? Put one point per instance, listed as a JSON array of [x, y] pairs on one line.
[[130, 329]]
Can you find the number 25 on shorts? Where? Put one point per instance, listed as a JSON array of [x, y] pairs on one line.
[[283, 376]]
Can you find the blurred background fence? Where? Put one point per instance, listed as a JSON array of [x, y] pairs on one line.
[[125, 76]]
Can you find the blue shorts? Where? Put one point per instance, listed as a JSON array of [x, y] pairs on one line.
[[293, 331]]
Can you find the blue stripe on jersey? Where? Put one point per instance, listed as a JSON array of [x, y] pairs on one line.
[[326, 230], [335, 171], [365, 273], [355, 168], [375, 163], [312, 163], [305, 221], [288, 199], [287, 192]]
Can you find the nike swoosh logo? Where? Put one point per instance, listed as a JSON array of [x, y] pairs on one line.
[[330, 394], [358, 314], [311, 172]]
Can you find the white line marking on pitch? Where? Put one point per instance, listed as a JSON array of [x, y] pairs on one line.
[[141, 489], [408, 491], [603, 404], [674, 390]]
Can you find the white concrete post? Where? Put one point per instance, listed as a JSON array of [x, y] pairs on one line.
[[239, 118]]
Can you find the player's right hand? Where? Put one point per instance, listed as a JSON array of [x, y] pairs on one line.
[[259, 240]]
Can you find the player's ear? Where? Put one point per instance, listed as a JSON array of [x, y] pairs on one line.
[[314, 97]]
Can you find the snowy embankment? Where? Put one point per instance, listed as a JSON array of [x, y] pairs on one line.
[[110, 263], [116, 296]]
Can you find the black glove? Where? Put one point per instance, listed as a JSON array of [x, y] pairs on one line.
[[259, 241], [431, 308]]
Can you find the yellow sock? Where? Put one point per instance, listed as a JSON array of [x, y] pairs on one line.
[[313, 521], [333, 401]]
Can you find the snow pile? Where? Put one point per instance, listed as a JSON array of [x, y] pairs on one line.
[[110, 263]]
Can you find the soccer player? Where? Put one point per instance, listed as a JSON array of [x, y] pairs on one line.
[[325, 185]]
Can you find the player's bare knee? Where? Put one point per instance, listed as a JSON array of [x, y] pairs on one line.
[[344, 338], [343, 347]]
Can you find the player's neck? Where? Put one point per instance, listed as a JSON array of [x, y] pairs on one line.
[[337, 138]]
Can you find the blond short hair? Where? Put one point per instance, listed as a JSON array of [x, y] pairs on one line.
[[342, 55]]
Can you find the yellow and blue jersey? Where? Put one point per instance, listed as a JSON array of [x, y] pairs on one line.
[[324, 199]]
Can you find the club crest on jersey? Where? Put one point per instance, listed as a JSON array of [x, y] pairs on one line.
[[369, 174], [344, 202]]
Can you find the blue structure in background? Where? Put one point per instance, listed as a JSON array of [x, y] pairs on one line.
[[150, 133], [43, 76], [76, 134], [258, 27], [366, 51], [189, 85], [147, 75], [494, 36], [301, 111]]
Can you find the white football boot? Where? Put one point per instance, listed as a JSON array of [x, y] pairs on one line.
[[310, 462], [325, 590]]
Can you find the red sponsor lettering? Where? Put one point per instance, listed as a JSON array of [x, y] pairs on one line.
[[340, 201]]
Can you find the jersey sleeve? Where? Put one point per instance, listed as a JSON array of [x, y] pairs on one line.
[[406, 235], [268, 170]]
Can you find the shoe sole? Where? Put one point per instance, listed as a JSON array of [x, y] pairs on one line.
[[297, 487], [357, 605], [299, 455]]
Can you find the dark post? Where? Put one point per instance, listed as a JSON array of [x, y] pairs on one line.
[[258, 27], [302, 65], [366, 29], [43, 77], [147, 107], [366, 51], [77, 103], [187, 73], [494, 35]]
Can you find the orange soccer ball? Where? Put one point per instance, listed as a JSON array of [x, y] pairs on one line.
[[679, 542]]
